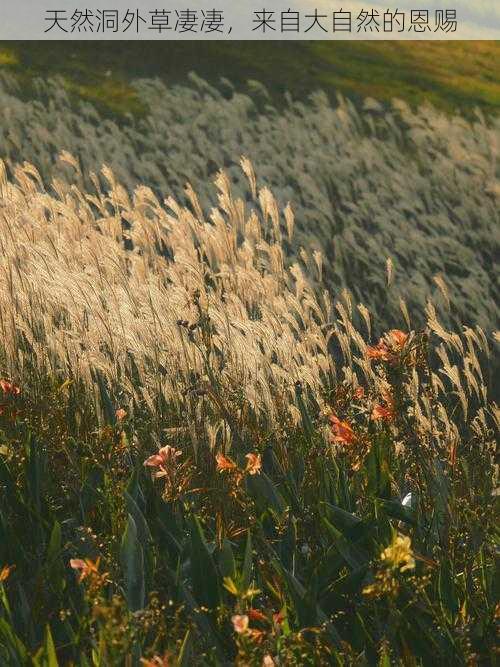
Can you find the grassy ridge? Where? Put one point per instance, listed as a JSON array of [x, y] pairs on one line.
[[451, 75]]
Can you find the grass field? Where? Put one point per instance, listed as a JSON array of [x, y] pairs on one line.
[[204, 463], [249, 420]]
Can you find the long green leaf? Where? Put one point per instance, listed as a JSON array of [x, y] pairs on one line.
[[206, 584], [132, 559]]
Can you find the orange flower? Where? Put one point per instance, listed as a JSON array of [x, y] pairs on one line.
[[224, 463], [9, 389], [120, 414], [379, 352], [278, 618], [163, 460], [240, 623], [385, 412], [359, 393], [156, 661], [256, 615], [388, 347], [398, 338], [84, 567], [254, 464], [341, 431], [267, 661], [381, 412], [5, 572]]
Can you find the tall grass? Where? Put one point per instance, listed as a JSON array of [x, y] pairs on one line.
[[205, 459], [419, 187]]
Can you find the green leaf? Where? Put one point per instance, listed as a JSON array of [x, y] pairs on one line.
[[53, 563], [144, 536], [344, 521], [226, 562], [91, 494], [206, 584], [396, 510], [385, 660], [184, 659], [50, 650], [54, 548], [35, 470], [304, 604], [377, 468], [307, 424], [247, 563], [350, 584], [289, 544], [447, 593], [143, 532], [308, 612], [264, 493], [106, 402], [203, 621], [132, 559], [353, 555], [135, 491], [18, 654]]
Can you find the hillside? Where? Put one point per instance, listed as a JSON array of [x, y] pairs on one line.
[[451, 75]]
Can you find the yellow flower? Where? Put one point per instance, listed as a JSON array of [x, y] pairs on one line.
[[399, 555]]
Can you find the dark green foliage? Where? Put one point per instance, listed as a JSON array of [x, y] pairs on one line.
[[297, 549]]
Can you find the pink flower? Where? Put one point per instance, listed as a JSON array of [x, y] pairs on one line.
[[278, 618], [164, 460], [398, 338], [120, 414], [385, 412], [256, 615], [379, 352], [240, 623]]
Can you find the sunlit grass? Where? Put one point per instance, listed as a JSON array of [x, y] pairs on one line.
[[205, 462], [8, 57]]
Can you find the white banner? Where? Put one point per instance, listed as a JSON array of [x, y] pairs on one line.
[[248, 20]]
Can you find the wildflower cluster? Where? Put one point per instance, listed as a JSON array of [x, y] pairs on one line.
[[389, 348], [396, 558], [253, 466], [9, 393], [166, 466]]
